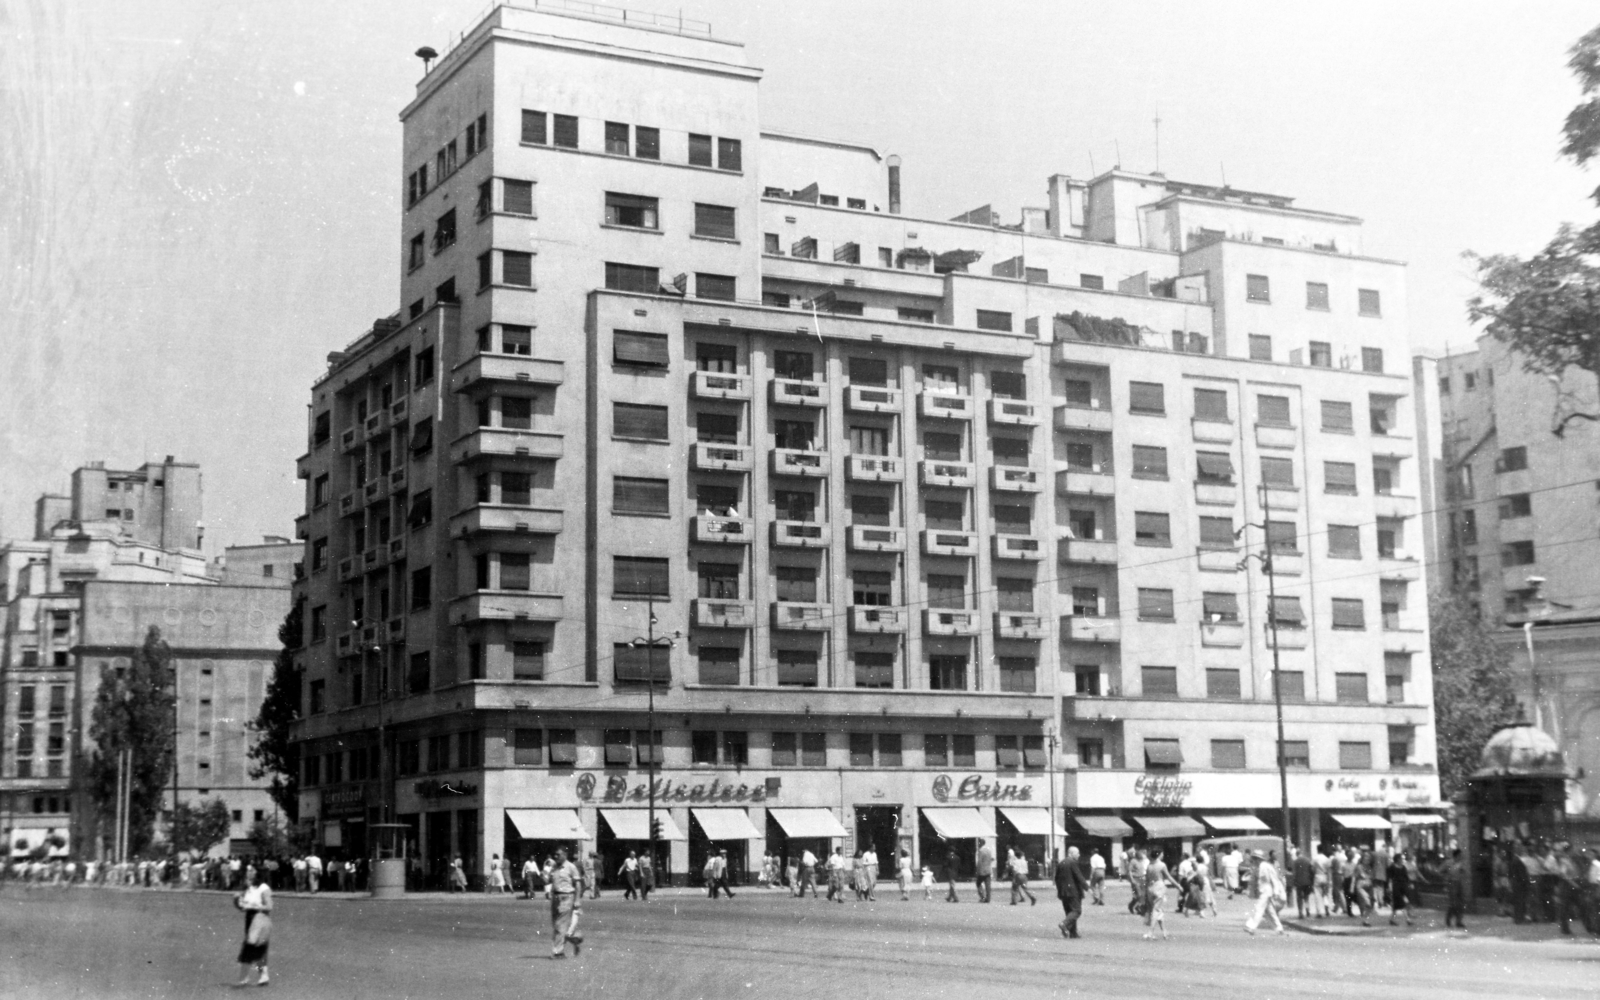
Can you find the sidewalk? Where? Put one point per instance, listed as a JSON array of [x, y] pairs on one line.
[[1431, 922]]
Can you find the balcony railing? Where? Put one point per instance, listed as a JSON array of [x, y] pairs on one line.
[[376, 489], [949, 543], [720, 385], [1018, 478], [798, 462], [351, 438], [1215, 493], [1282, 498], [1018, 547], [1275, 436], [397, 478], [505, 605], [939, 405], [1227, 635], [349, 568], [794, 392], [873, 399], [802, 617], [937, 472], [376, 556], [1213, 431], [1020, 625], [710, 457], [397, 548], [723, 530], [872, 538], [1083, 418], [940, 621], [377, 422], [398, 411], [1287, 638], [875, 469], [1218, 560], [500, 442], [723, 614], [1012, 411], [866, 618], [1087, 628], [802, 534], [1096, 480], [1100, 551], [348, 504]]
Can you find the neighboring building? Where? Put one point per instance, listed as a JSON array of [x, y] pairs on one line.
[[139, 527], [273, 563], [933, 539], [1515, 531]]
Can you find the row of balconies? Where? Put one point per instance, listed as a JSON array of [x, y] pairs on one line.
[[1224, 634], [797, 616], [1100, 419], [935, 403], [376, 557], [709, 456], [376, 423], [718, 530]]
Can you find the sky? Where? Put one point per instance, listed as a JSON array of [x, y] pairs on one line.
[[201, 198]]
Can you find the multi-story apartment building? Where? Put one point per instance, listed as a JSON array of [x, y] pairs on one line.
[[118, 554], [1514, 530], [941, 518]]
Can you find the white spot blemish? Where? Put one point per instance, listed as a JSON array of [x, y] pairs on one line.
[[299, 88]]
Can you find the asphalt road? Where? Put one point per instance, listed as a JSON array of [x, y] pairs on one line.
[[94, 943]]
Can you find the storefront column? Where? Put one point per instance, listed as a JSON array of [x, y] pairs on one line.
[[680, 849], [492, 831], [756, 847]]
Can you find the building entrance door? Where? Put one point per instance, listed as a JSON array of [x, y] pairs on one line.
[[878, 827], [437, 831]]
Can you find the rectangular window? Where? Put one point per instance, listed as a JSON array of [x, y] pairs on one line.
[[797, 668], [516, 268], [720, 287], [1354, 756], [1260, 347], [861, 747], [873, 669], [1160, 681], [1321, 354], [1277, 472], [1009, 450], [640, 577], [1091, 753], [1152, 528], [1013, 519], [1292, 685], [1214, 467], [719, 664], [1516, 505], [617, 138], [1369, 303], [1014, 594], [947, 673], [639, 496], [533, 127], [1155, 604], [699, 150], [1256, 288], [516, 197], [1350, 688], [1019, 674], [647, 142], [566, 131], [730, 154], [1296, 753], [1211, 404], [717, 428], [1008, 385], [869, 371], [632, 278], [1344, 541], [703, 747], [527, 747], [1517, 554], [1162, 755], [1086, 679], [1219, 607], [718, 581], [1285, 613], [1006, 754], [1349, 614], [638, 664], [1283, 536], [1338, 417], [632, 210], [563, 746], [814, 749], [1149, 462], [1512, 459], [1147, 397], [1217, 533], [630, 420], [715, 221], [963, 750], [642, 350], [785, 749], [1317, 295], [992, 319], [1273, 411], [1227, 755], [1339, 477], [1372, 359]]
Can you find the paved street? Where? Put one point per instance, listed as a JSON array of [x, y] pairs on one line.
[[152, 944]]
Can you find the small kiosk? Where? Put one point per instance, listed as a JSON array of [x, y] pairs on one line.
[[389, 859], [1518, 792]]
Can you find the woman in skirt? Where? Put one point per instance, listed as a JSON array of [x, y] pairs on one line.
[[256, 902]]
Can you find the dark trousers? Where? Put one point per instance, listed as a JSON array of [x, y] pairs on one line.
[[1019, 888], [1457, 907], [720, 883], [1073, 905], [985, 885], [1519, 900]]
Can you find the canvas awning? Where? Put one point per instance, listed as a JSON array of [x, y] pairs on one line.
[[1242, 823], [634, 824], [726, 824], [547, 824], [815, 822], [1166, 827], [1416, 819], [1031, 822], [1361, 821], [1104, 826], [958, 824]]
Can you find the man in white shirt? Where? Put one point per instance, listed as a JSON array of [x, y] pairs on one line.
[[1266, 888], [313, 870], [836, 868], [869, 861], [807, 876], [564, 881], [1230, 870], [1097, 878]]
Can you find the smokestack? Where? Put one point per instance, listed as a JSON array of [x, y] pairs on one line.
[[894, 185]]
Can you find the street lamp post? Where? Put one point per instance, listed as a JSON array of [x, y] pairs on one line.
[[1265, 558], [1055, 859], [649, 643]]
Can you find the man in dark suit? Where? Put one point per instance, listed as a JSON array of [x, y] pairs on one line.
[[1070, 887]]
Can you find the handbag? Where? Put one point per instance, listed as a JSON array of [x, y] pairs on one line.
[[260, 931]]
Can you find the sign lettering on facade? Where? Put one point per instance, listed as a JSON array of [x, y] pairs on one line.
[[617, 789], [973, 788], [1162, 791]]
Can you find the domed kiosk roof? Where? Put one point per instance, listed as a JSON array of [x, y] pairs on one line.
[[1521, 749]]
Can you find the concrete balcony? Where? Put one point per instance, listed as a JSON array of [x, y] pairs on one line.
[[1015, 625], [349, 503], [397, 548], [344, 644], [1013, 412], [865, 618], [795, 616], [873, 399], [1083, 418], [495, 518], [1403, 640], [1095, 551], [1399, 566], [1083, 628], [350, 568], [397, 479], [500, 442], [1213, 432], [302, 527], [941, 621], [399, 410], [488, 372], [1216, 494], [1218, 560], [875, 469], [1227, 635], [376, 556], [1288, 638], [939, 405], [376, 423], [949, 543], [716, 530], [802, 534], [351, 438], [719, 385], [505, 605], [794, 392], [1394, 505], [396, 628], [1389, 446], [1093, 482], [706, 613], [1272, 436], [798, 462], [1016, 478], [1282, 499], [706, 456], [375, 489], [1022, 547], [1288, 563], [958, 475], [872, 538]]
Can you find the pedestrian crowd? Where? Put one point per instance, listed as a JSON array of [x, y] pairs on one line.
[[303, 873]]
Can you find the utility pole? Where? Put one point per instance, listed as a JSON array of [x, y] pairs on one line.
[[649, 642], [1267, 569]]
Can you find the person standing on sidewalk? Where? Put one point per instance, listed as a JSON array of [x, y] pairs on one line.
[[903, 875], [1361, 888], [836, 869], [951, 864], [1307, 899], [1267, 890], [256, 902], [1097, 877], [630, 875], [1381, 856], [1455, 881], [1069, 889], [807, 875], [869, 860], [1399, 882], [1230, 870], [1017, 869], [564, 879], [983, 874]]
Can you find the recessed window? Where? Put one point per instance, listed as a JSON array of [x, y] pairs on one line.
[[1222, 682], [1354, 756], [1273, 411], [516, 268], [1512, 459], [1317, 295], [720, 287], [516, 197], [715, 221], [1372, 359], [1155, 604], [1368, 302], [1338, 417], [1516, 505], [1344, 541], [641, 350], [640, 577], [1094, 281], [617, 138], [797, 668], [1147, 398], [1321, 354], [992, 319], [730, 154], [1211, 405], [566, 131], [632, 210], [1227, 755], [647, 142], [1149, 462], [633, 278], [699, 150], [1256, 288], [1260, 347], [1217, 533], [873, 669], [1152, 528], [1349, 613], [1277, 473], [632, 420], [639, 496]]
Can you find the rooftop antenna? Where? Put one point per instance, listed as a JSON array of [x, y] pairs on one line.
[[1092, 172], [1224, 167], [427, 55], [1158, 140], [1118, 146]]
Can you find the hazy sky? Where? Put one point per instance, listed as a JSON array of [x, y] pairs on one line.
[[201, 199]]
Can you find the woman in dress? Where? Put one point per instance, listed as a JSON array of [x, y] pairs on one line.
[[256, 902], [458, 876], [904, 873]]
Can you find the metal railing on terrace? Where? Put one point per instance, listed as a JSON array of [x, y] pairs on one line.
[[675, 23]]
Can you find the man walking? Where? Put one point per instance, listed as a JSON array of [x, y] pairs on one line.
[[630, 875], [1305, 877], [1455, 879], [1069, 889], [807, 875], [1399, 882], [836, 866], [1097, 877], [1230, 870], [951, 865], [719, 875], [1156, 880], [313, 870], [1017, 870], [564, 879], [1266, 888], [983, 875]]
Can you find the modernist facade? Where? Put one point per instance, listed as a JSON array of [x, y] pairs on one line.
[[118, 554], [1515, 532], [939, 517]]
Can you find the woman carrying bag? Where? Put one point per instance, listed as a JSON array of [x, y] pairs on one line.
[[256, 902]]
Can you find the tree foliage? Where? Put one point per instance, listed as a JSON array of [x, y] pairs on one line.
[[134, 710], [1474, 692], [272, 754], [197, 829], [1547, 307]]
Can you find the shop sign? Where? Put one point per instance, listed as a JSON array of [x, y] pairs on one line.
[[973, 788], [617, 789], [1162, 791], [1383, 792], [443, 789], [345, 800]]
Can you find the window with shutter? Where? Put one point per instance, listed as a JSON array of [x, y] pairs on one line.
[[1217, 533], [527, 747], [715, 221], [1152, 528], [1260, 347], [1296, 753], [1338, 417], [1211, 404], [630, 420], [633, 278], [1219, 607], [1147, 398], [639, 496], [699, 150], [785, 749], [992, 319], [1273, 411], [1222, 682], [797, 667], [730, 154], [516, 268], [1227, 754], [1292, 685], [1283, 536], [1355, 756], [1344, 541], [861, 747], [873, 669], [1257, 288], [1214, 467], [1278, 472], [1286, 613], [1369, 302], [516, 197], [1015, 594], [1339, 477], [640, 577], [1159, 680], [566, 131], [1149, 462], [563, 746], [533, 127], [813, 749], [1348, 614], [1155, 604], [719, 664], [1162, 754], [1317, 295]]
